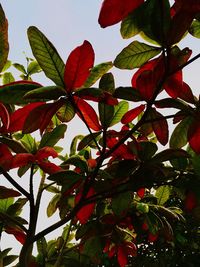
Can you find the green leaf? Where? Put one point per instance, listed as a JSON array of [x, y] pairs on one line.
[[93, 248], [107, 83], [47, 93], [14, 145], [51, 138], [47, 56], [29, 143], [169, 154], [162, 194], [73, 146], [5, 204], [121, 203], [14, 93], [8, 78], [127, 93], [119, 111], [142, 207], [148, 149], [20, 68], [4, 46], [195, 29], [67, 178], [9, 259], [7, 65], [135, 55], [78, 162], [129, 27], [33, 68], [53, 205], [66, 113], [106, 113], [97, 72], [88, 140], [179, 136]]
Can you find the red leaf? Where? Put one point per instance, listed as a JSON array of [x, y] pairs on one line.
[[160, 126], [21, 160], [174, 84], [5, 157], [78, 65], [131, 249], [18, 234], [18, 117], [88, 113], [146, 84], [190, 201], [46, 152], [152, 237], [86, 211], [40, 117], [141, 192], [5, 118], [8, 192], [185, 93], [194, 136], [121, 256], [132, 114], [113, 11], [49, 167]]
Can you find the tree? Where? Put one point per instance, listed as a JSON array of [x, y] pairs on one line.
[[121, 201]]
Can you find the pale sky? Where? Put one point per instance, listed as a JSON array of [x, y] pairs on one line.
[[67, 23]]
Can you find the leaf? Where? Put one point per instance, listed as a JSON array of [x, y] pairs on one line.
[[78, 65], [128, 93], [14, 145], [4, 116], [97, 72], [119, 111], [5, 204], [106, 113], [51, 138], [162, 194], [78, 162], [8, 78], [135, 55], [87, 114], [33, 68], [20, 68], [46, 93], [46, 152], [121, 203], [4, 46], [18, 117], [113, 11], [129, 27], [67, 178], [66, 113], [169, 154], [179, 136], [7, 192], [121, 256], [53, 205], [107, 83], [130, 115], [40, 117], [7, 66], [88, 140], [160, 126], [14, 92], [47, 56], [86, 211], [194, 29], [194, 136]]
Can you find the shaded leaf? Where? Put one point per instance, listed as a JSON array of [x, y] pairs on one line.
[[14, 92], [194, 136], [128, 93], [53, 205], [78, 65], [47, 93], [129, 27], [88, 140], [66, 113], [7, 192], [135, 55], [121, 203], [66, 178], [14, 145], [47, 56], [5, 118], [106, 113], [169, 154]]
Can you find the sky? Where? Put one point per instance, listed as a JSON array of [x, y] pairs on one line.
[[67, 23]]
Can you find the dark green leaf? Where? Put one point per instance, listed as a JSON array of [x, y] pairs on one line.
[[73, 147], [9, 259], [53, 205], [97, 72], [20, 68], [47, 93], [14, 93], [127, 93], [4, 46], [148, 149], [106, 113], [169, 154], [121, 203], [51, 138], [47, 56], [107, 83], [66, 178], [88, 140], [14, 145], [135, 55], [78, 162]]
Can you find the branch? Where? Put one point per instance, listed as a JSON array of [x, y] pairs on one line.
[[14, 183]]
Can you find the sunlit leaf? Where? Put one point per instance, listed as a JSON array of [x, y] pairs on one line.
[[33, 68], [132, 114], [97, 72], [66, 113], [78, 65], [4, 46], [135, 55], [53, 205], [8, 78], [129, 27], [47, 56], [119, 112], [162, 194]]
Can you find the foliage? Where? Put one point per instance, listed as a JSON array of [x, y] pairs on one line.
[[121, 200]]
